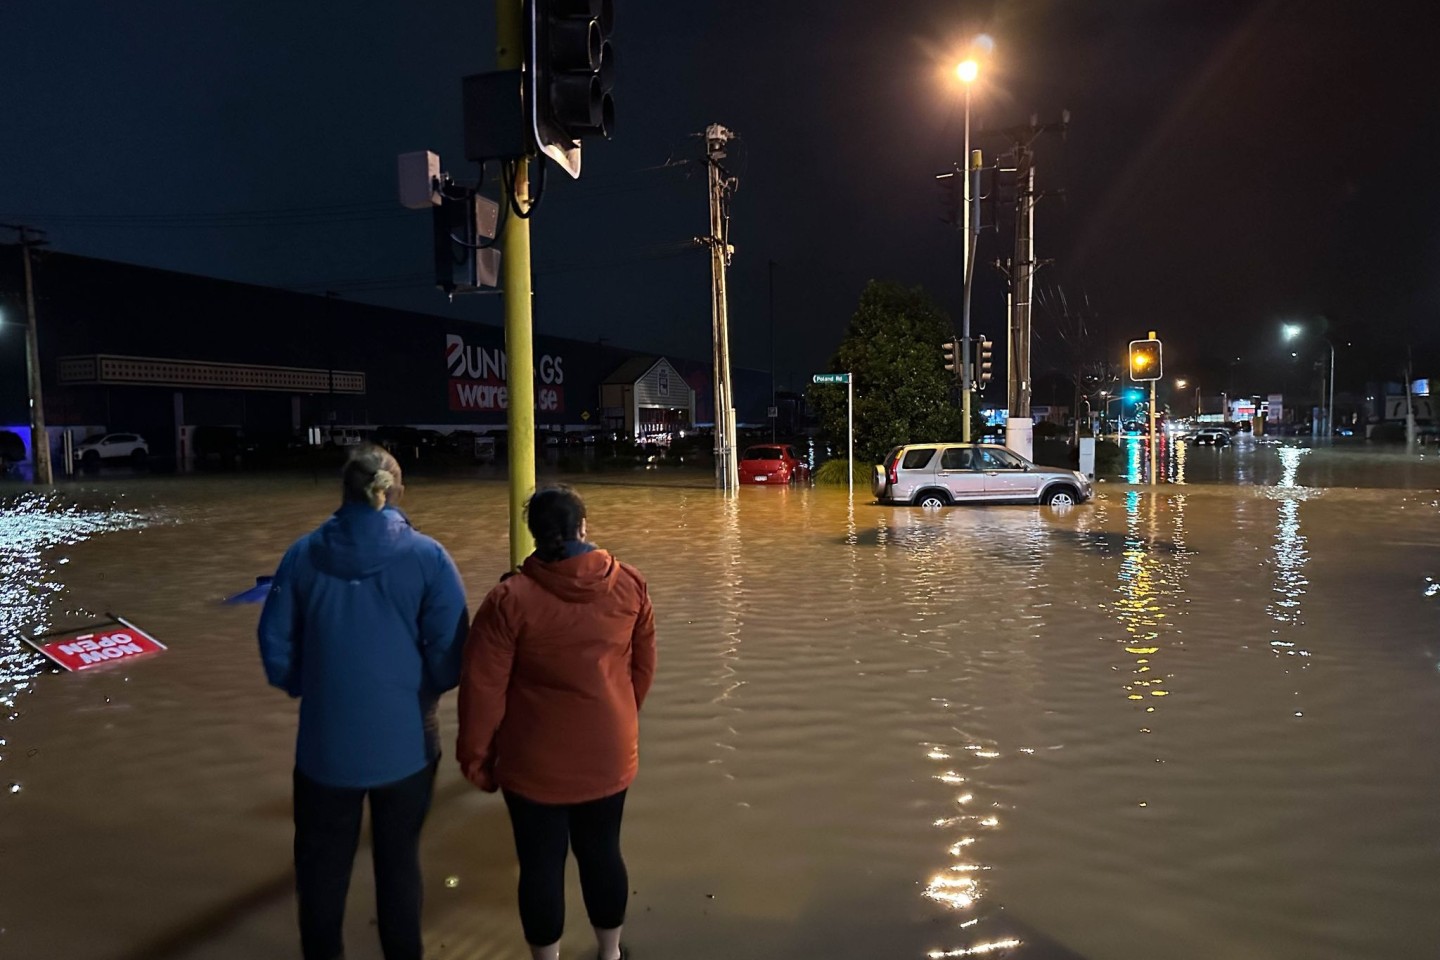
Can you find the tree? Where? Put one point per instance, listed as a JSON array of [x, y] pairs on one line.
[[902, 389]]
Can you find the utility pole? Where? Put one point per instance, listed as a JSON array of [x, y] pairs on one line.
[[1020, 425], [515, 279], [1007, 270], [1024, 286], [774, 409], [722, 186], [39, 439]]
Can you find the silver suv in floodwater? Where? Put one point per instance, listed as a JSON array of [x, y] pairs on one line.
[[937, 474]]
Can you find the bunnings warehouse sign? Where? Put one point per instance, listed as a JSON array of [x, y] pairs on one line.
[[477, 378]]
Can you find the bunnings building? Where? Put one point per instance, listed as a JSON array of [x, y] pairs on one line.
[[129, 348]]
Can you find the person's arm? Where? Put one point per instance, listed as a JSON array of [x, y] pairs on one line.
[[443, 619], [281, 626], [642, 648], [484, 678]]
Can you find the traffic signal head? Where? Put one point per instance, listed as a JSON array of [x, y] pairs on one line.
[[983, 362], [1145, 360], [464, 262], [950, 196], [952, 349], [570, 69]]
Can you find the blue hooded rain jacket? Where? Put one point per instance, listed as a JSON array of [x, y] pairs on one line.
[[365, 623]]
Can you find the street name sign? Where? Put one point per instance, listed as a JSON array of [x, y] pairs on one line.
[[830, 378]]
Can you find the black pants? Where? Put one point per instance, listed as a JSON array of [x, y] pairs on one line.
[[327, 830], [543, 833]]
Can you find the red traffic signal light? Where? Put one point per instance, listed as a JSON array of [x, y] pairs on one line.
[[1146, 362]]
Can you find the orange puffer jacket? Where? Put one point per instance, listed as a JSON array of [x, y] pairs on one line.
[[557, 665]]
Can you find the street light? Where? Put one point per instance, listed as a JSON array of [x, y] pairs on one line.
[[967, 71], [1105, 395], [1182, 384], [1293, 330]]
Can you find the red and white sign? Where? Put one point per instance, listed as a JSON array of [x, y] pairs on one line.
[[97, 645], [477, 379]]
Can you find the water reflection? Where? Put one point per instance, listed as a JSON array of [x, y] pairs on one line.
[[1149, 588], [1177, 470], [1291, 554], [875, 696], [30, 525], [957, 885]]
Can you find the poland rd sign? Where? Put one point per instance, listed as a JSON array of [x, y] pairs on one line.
[[830, 378]]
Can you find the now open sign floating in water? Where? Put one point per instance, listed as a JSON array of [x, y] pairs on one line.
[[96, 645]]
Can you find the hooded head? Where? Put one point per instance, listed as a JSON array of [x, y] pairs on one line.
[[371, 476], [555, 516]]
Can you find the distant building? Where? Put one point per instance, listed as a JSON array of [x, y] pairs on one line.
[[125, 347], [647, 398]]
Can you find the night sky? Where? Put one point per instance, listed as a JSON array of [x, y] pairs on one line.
[[1229, 164]]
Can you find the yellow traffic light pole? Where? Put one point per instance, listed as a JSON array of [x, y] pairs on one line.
[[515, 279], [1154, 446]]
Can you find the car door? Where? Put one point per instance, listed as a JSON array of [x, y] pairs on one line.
[[1007, 476], [961, 474], [915, 471]]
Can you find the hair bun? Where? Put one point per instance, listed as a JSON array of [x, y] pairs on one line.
[[381, 482]]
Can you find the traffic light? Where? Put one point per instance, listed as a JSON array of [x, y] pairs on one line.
[[983, 361], [952, 352], [571, 69], [1145, 360], [464, 262], [950, 196]]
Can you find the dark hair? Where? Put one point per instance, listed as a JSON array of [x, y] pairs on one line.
[[554, 515], [371, 475]]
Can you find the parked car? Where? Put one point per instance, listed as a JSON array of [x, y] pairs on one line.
[[406, 442], [111, 446], [1211, 436], [938, 474], [341, 436], [469, 445], [772, 463], [222, 447]]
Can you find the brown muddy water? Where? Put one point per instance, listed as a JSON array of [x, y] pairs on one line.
[[1194, 722]]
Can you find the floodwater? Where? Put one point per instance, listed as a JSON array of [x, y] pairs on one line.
[[1193, 721]]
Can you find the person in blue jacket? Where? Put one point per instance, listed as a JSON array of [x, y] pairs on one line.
[[365, 623]]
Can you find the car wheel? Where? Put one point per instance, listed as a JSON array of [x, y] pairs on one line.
[[137, 456], [931, 500], [1061, 497]]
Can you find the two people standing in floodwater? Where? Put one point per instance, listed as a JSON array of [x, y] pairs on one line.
[[366, 623]]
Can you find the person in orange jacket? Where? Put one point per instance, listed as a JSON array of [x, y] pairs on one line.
[[556, 667]]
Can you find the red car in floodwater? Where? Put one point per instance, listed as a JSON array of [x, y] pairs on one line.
[[772, 463]]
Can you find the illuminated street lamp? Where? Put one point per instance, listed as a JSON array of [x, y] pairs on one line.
[[1105, 395], [1293, 330], [1182, 384], [967, 71]]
